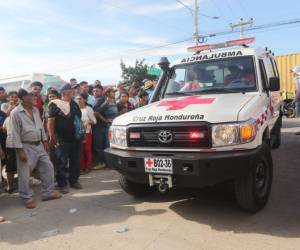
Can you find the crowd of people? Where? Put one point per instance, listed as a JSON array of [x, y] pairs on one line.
[[62, 134]]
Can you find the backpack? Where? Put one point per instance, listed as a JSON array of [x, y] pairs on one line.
[[79, 128]]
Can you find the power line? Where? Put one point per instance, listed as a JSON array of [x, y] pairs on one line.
[[253, 29], [263, 26], [139, 14], [240, 3], [118, 56], [192, 10], [230, 9], [219, 10], [186, 6]]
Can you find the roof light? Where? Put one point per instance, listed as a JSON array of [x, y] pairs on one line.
[[231, 43]]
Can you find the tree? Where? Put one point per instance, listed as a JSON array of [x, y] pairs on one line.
[[136, 73]]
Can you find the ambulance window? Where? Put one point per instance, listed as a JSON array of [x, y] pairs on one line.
[[270, 65], [263, 74], [226, 75], [180, 74], [276, 68], [177, 80], [218, 75]]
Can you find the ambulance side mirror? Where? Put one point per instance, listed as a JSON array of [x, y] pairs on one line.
[[274, 84]]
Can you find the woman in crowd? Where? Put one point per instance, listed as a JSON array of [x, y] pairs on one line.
[[133, 95], [52, 94], [11, 161], [13, 101], [124, 105], [88, 118]]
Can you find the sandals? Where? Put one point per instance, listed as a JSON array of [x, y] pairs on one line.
[[53, 196], [30, 204]]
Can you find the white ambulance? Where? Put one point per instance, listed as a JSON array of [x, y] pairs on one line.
[[214, 117]]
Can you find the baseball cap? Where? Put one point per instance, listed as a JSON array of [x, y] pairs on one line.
[[66, 87], [23, 92], [148, 84]]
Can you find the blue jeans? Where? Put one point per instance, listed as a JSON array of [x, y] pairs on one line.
[[68, 152], [297, 104], [100, 141]]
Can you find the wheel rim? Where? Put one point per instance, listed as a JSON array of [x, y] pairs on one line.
[[261, 178]]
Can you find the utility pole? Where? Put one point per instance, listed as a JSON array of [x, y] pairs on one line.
[[241, 25], [195, 13], [196, 22]]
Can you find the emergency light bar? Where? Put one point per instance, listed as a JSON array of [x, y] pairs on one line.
[[231, 43]]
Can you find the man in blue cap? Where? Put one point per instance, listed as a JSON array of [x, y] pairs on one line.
[[66, 135]]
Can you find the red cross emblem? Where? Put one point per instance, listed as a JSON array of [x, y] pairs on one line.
[[149, 163], [181, 104]]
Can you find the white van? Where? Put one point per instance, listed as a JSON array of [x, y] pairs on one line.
[[24, 81], [214, 117]]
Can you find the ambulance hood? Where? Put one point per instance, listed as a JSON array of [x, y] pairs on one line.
[[211, 108]]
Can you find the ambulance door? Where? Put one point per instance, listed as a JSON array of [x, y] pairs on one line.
[[275, 102]]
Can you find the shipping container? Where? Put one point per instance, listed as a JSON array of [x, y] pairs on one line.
[[285, 64]]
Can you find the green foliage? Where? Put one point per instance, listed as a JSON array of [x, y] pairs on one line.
[[136, 73]]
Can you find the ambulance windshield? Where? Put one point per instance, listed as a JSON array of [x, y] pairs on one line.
[[228, 75]]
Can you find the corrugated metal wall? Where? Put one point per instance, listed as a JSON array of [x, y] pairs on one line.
[[285, 63]]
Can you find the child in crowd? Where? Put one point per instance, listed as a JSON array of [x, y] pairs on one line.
[[11, 160], [88, 118], [143, 98]]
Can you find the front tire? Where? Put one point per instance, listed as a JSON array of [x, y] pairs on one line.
[[277, 135], [252, 190], [277, 141], [137, 190]]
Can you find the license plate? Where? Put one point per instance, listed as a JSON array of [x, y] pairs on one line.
[[158, 165]]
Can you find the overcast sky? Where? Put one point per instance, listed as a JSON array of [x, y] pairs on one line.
[[86, 39]]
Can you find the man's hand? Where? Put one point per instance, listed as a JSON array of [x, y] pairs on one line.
[[53, 140], [46, 146], [2, 154], [88, 123], [22, 155]]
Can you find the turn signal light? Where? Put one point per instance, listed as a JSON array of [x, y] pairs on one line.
[[247, 132], [110, 134]]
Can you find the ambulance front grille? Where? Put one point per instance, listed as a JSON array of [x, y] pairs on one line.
[[181, 136]]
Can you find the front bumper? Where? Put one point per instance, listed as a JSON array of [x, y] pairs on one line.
[[204, 169]]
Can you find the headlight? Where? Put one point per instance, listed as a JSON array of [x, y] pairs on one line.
[[118, 136], [225, 135], [232, 134]]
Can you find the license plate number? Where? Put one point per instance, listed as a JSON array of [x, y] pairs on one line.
[[158, 165]]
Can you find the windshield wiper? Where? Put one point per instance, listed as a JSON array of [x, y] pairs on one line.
[[225, 90], [179, 93], [210, 90]]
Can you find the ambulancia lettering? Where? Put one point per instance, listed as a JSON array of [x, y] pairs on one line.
[[212, 56]]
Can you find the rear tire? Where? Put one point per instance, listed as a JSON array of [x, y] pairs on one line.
[[252, 190], [135, 189]]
